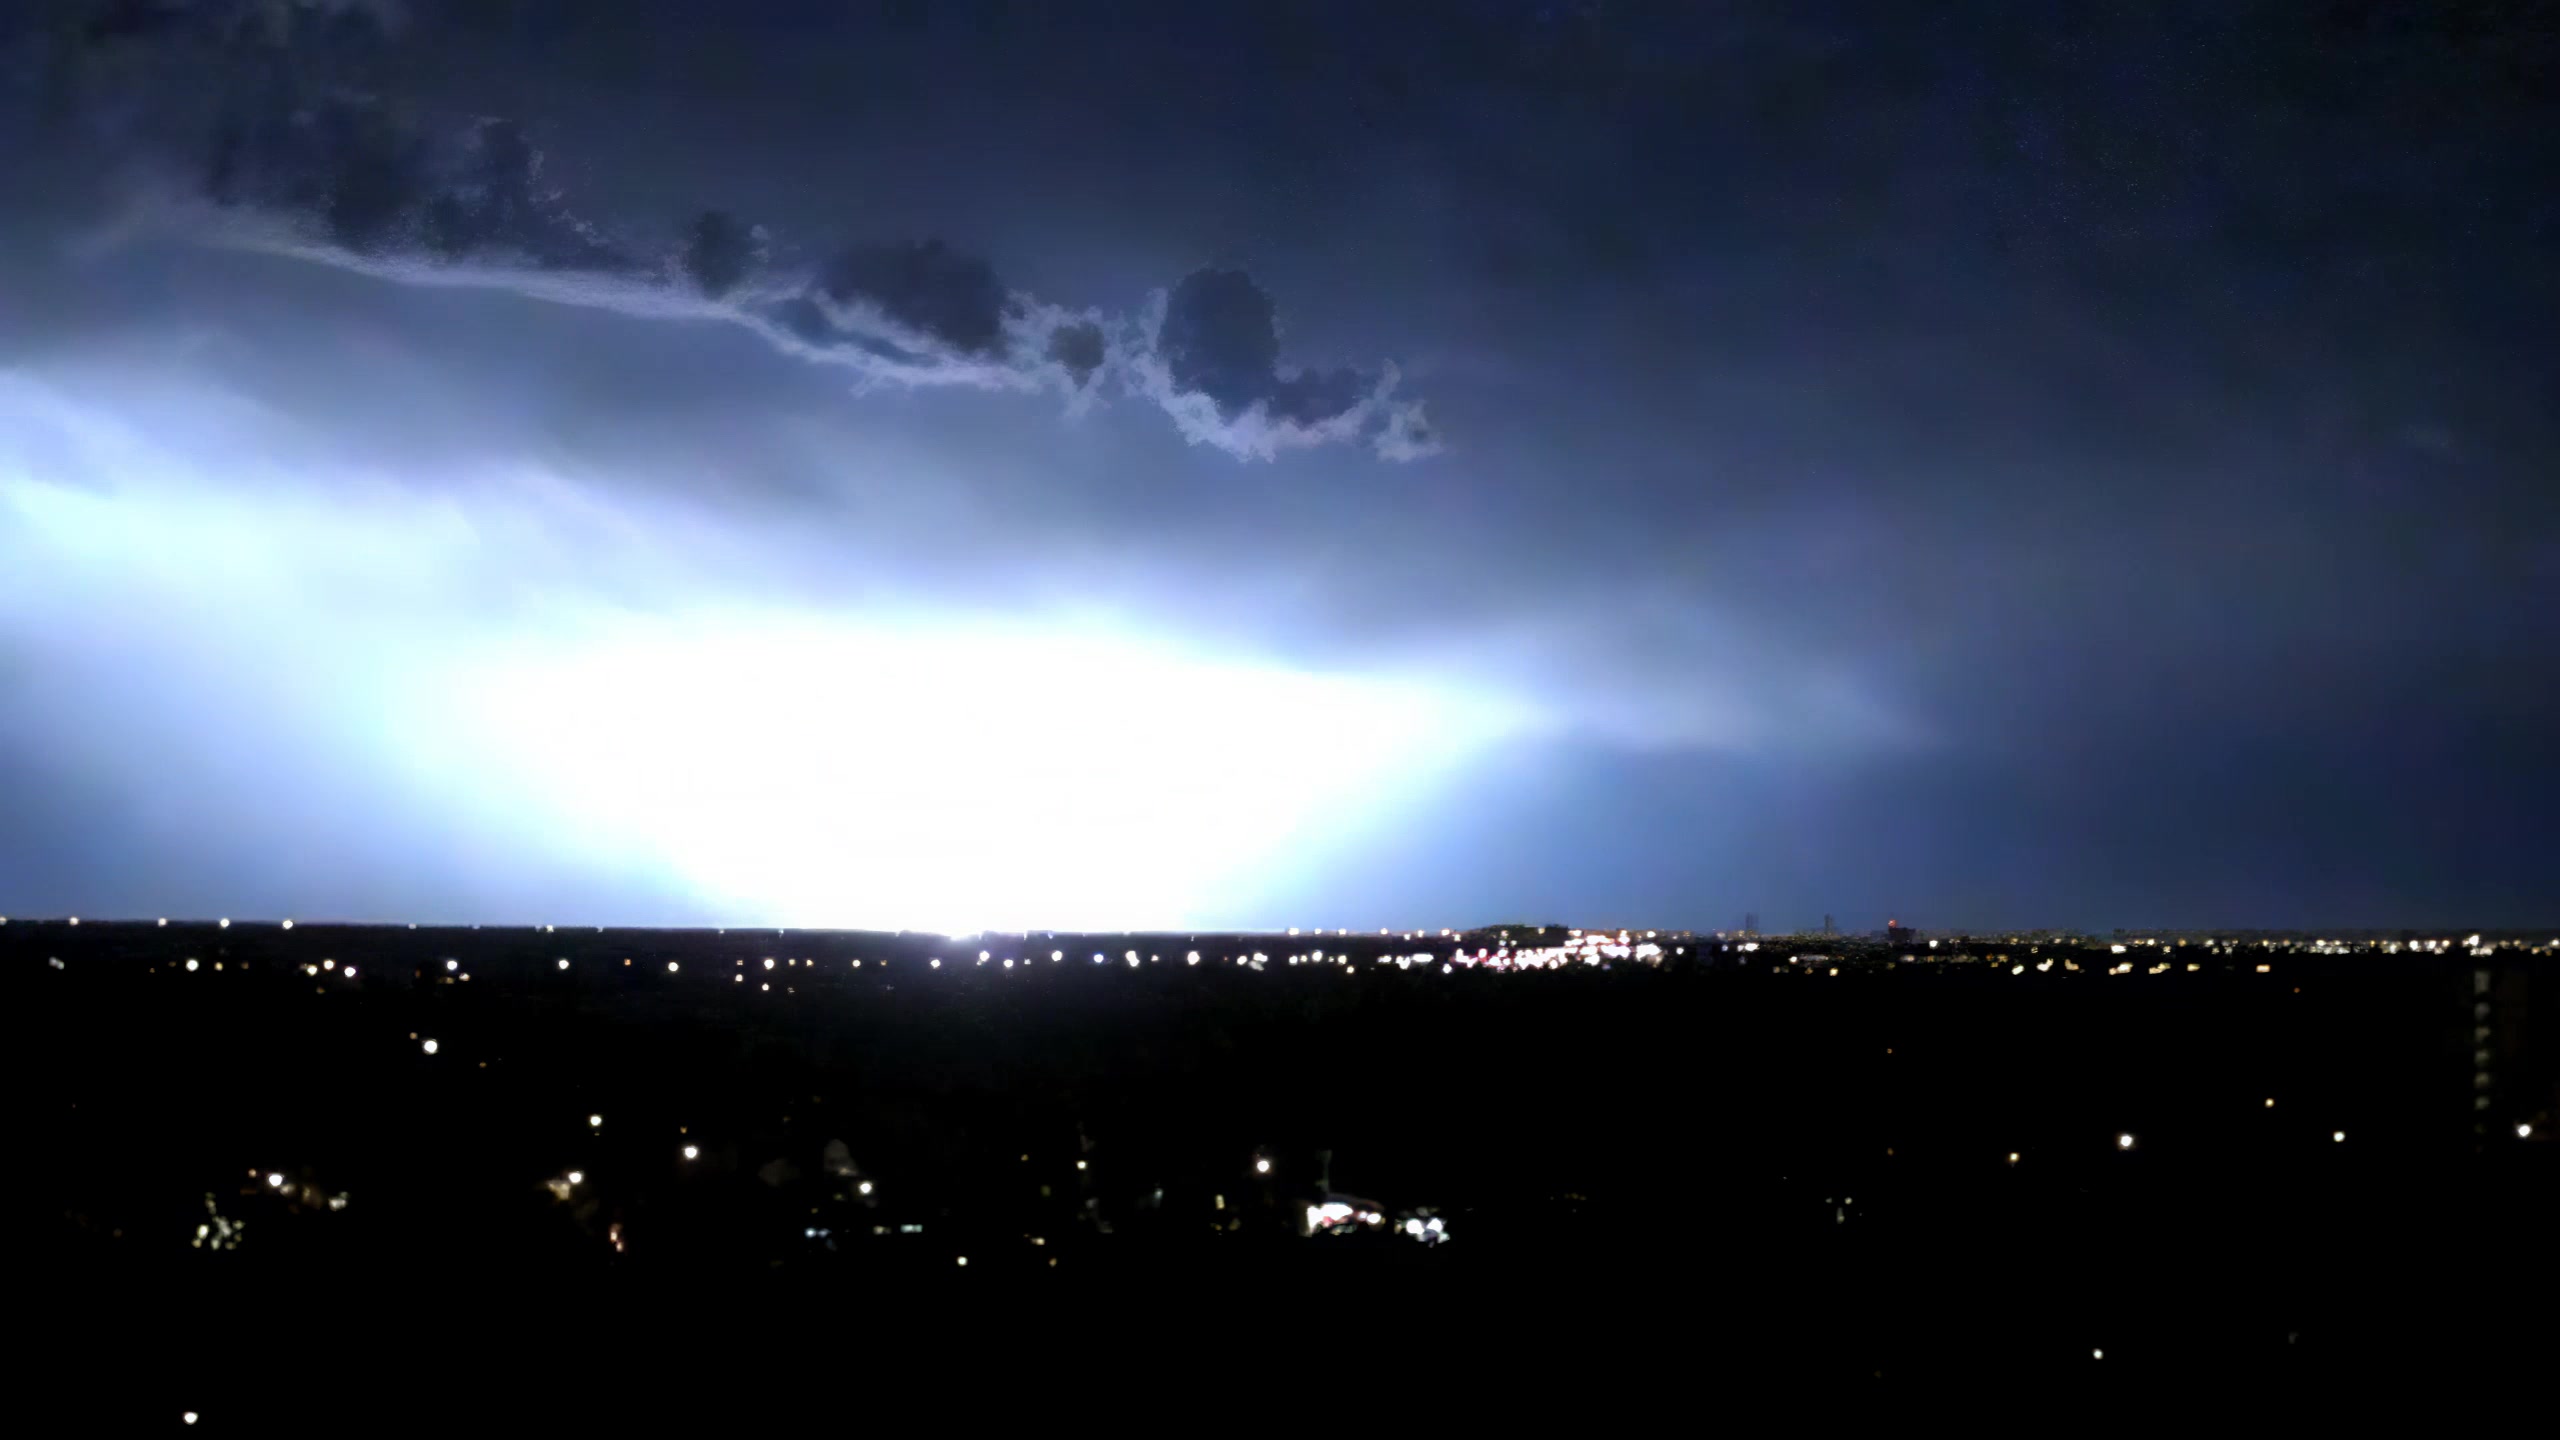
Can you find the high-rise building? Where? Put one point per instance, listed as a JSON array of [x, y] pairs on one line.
[[1828, 928], [1751, 922], [1897, 933]]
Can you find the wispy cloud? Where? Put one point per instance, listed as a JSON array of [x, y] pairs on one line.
[[282, 159]]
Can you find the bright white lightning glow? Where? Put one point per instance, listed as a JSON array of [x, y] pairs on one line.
[[865, 785], [669, 705]]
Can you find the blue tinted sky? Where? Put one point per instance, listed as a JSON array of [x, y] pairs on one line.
[[1983, 467]]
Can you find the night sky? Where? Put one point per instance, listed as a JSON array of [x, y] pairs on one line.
[[979, 464]]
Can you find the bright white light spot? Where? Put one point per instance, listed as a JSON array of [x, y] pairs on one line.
[[577, 1177], [2097, 1354], [1057, 955], [2338, 1137], [428, 1046], [594, 1121], [964, 1259], [577, 729], [451, 965], [671, 967], [2524, 1129], [275, 1182], [288, 924], [2124, 1142], [1080, 1165], [864, 1187], [224, 923], [191, 964], [935, 962], [188, 1418], [564, 964], [693, 1152], [1191, 959], [1261, 1167]]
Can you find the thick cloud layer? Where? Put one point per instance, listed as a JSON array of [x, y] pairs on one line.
[[303, 159]]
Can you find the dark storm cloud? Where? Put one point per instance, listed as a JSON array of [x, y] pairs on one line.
[[1914, 452], [306, 161]]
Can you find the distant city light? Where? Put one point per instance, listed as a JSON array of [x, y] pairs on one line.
[[1056, 955], [864, 1187], [2338, 1136], [275, 1182], [1080, 1165], [288, 924], [2013, 1157], [453, 965], [2524, 1129], [595, 1121], [693, 1152], [1261, 1166], [671, 967], [191, 964], [2097, 1354], [564, 964], [225, 922], [964, 1260], [429, 1047], [577, 1177], [2124, 1142]]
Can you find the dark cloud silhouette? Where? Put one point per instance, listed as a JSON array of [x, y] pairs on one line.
[[302, 139], [1221, 339], [718, 253], [376, 175], [926, 286], [1080, 348], [1216, 365]]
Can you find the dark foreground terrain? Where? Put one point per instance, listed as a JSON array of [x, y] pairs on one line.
[[622, 1193]]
